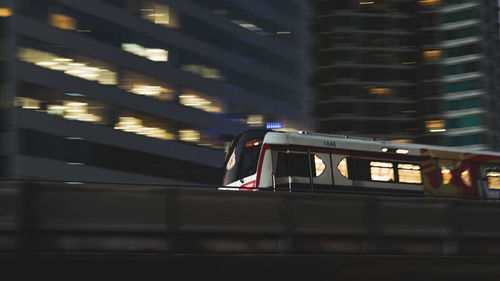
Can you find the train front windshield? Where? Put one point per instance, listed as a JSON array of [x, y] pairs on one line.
[[243, 156]]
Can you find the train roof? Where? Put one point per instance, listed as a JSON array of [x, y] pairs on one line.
[[360, 143]]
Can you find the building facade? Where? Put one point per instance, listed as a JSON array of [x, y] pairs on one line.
[[409, 70], [146, 91]]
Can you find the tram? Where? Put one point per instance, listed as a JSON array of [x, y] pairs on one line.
[[307, 162]]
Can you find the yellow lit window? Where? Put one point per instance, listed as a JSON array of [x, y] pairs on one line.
[[409, 173], [68, 66], [446, 174], [159, 14], [147, 86], [432, 55], [381, 171], [197, 101], [62, 21], [79, 111], [27, 103], [320, 165], [379, 91], [56, 109], [402, 140], [148, 90], [203, 71], [466, 177], [493, 179], [429, 2], [5, 12], [342, 167], [435, 126], [153, 54], [135, 125], [189, 135], [255, 120], [73, 110]]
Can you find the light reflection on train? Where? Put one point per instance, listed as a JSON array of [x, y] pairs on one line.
[[278, 161]]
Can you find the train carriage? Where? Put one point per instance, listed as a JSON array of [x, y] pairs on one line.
[[303, 162]]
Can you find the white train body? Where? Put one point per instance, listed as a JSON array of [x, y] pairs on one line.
[[278, 161]]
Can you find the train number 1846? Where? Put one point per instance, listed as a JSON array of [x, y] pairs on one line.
[[329, 143]]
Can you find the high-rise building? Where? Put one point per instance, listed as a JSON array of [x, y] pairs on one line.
[[409, 70], [145, 91], [459, 71]]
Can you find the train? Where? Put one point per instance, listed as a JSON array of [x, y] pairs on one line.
[[263, 160]]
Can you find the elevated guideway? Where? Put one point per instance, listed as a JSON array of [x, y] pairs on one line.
[[179, 227]]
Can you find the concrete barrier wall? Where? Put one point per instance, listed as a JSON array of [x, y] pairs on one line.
[[48, 217], [10, 217]]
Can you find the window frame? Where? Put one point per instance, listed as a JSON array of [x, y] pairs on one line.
[[354, 164]]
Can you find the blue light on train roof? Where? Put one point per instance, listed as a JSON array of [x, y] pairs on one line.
[[274, 125]]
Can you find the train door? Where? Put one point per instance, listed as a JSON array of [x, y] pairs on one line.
[[291, 170], [300, 170], [342, 180]]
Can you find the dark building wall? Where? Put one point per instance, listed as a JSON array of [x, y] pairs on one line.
[[366, 73], [150, 90], [420, 71]]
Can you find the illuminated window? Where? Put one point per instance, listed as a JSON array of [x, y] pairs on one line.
[[432, 55], [231, 162], [466, 177], [27, 103], [493, 179], [403, 140], [435, 126], [144, 85], [381, 171], [73, 110], [159, 14], [79, 111], [446, 174], [68, 66], [203, 71], [147, 90], [342, 167], [409, 173], [379, 91], [5, 12], [135, 125], [319, 164], [197, 101], [429, 2], [56, 109], [189, 135], [62, 21], [154, 54], [255, 120]]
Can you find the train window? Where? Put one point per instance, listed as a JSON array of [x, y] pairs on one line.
[[294, 164], [409, 173], [231, 162], [446, 175], [493, 179], [466, 178], [319, 164], [381, 171], [342, 167]]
